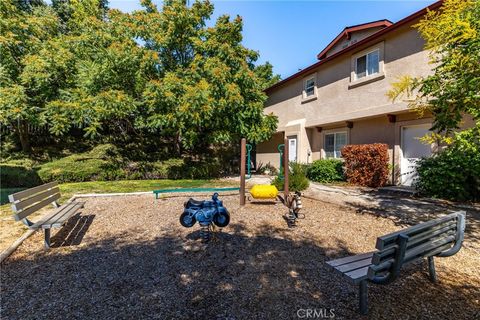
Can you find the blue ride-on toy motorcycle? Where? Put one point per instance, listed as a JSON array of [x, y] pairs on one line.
[[205, 212]]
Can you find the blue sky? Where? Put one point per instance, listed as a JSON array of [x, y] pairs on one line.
[[289, 34]]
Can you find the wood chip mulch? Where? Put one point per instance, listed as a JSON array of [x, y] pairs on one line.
[[129, 258]]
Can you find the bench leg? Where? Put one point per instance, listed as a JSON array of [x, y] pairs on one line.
[[431, 269], [47, 238], [363, 297]]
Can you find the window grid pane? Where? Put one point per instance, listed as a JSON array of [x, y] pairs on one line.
[[329, 143], [372, 63], [334, 142], [361, 67], [340, 142], [310, 87]]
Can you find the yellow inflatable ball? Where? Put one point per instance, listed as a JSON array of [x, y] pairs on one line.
[[264, 191]]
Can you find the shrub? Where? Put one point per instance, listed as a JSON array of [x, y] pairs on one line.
[[327, 170], [454, 173], [12, 176], [297, 178], [267, 168], [101, 163], [366, 164], [197, 169]]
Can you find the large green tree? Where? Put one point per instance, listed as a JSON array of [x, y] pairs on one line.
[[207, 89], [24, 29], [75, 64]]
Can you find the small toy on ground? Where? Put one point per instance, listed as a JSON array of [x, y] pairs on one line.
[[207, 213], [294, 204]]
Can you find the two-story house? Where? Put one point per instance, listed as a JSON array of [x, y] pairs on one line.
[[341, 99]]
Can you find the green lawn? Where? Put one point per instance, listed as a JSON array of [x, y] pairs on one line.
[[68, 189]]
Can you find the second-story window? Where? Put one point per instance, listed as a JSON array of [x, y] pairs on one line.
[[309, 87], [367, 64]]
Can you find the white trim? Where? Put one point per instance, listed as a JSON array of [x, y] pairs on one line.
[[354, 80], [366, 64], [334, 132], [305, 98], [293, 137]]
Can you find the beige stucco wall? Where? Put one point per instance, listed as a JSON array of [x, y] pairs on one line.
[[269, 151], [339, 98], [373, 130]]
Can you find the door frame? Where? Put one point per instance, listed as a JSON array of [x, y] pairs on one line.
[[291, 137]]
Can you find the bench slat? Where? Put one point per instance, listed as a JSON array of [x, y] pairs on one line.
[[425, 249], [420, 252], [385, 240], [20, 205], [354, 265], [430, 236], [358, 275], [338, 262], [25, 213], [54, 215], [60, 219], [30, 192]]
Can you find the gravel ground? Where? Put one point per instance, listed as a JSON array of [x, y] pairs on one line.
[[129, 258]]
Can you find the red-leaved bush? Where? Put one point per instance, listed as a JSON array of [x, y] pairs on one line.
[[366, 164]]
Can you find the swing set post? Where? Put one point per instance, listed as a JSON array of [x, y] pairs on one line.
[[285, 169], [243, 149]]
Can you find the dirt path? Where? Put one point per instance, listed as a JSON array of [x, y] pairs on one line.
[[129, 257]]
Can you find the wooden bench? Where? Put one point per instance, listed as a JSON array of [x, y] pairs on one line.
[[26, 202], [441, 237]]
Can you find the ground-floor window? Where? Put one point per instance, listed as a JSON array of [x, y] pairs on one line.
[[334, 143]]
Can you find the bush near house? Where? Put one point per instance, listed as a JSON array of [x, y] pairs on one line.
[[326, 170], [454, 173], [366, 164], [297, 178]]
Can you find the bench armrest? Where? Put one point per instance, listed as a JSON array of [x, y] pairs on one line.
[[458, 237], [394, 270]]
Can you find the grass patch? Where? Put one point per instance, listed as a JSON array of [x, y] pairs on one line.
[[68, 189]]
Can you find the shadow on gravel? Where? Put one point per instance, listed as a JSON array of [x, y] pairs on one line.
[[72, 233], [236, 276], [410, 211]]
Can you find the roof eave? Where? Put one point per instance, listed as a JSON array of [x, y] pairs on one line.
[[374, 36]]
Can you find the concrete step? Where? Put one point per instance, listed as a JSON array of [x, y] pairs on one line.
[[404, 191]]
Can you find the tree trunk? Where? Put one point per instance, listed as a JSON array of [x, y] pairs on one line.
[[177, 145], [22, 131]]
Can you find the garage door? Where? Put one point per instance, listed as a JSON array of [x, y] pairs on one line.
[[412, 150]]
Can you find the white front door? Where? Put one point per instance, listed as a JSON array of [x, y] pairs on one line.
[[412, 150], [292, 148]]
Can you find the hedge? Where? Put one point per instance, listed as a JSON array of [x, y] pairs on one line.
[[13, 176], [326, 170], [366, 164], [100, 163]]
